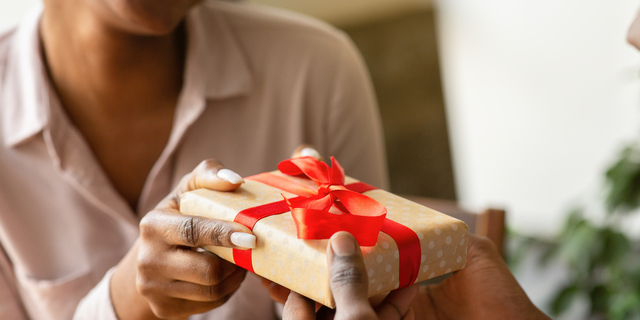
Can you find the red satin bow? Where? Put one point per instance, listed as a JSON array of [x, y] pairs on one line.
[[333, 208]]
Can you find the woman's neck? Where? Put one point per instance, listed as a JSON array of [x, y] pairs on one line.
[[101, 70]]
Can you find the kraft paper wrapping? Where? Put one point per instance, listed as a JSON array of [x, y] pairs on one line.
[[301, 265]]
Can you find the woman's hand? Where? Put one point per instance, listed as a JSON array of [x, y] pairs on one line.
[[165, 274], [349, 285]]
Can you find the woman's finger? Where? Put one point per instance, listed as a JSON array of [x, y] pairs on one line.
[[203, 268], [197, 292], [306, 150], [175, 229], [175, 308], [209, 174], [298, 308]]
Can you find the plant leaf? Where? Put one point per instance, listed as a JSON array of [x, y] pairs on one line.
[[563, 299]]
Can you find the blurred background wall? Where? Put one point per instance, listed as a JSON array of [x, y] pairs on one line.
[[540, 95], [347, 13]]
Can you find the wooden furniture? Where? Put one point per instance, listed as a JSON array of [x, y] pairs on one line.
[[488, 223]]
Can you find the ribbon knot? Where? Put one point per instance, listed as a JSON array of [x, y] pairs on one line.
[[313, 214], [327, 189], [335, 187]]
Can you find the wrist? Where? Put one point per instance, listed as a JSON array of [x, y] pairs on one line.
[[128, 303]]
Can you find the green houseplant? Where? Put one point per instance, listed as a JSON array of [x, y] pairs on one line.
[[603, 261]]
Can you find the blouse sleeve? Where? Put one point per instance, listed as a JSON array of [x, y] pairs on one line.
[[97, 304], [10, 305], [354, 126]]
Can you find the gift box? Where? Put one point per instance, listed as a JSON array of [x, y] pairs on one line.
[[293, 211]]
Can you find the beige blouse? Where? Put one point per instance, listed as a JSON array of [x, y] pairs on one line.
[[258, 82]]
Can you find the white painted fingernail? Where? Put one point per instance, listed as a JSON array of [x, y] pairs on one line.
[[230, 176], [310, 152], [244, 240]]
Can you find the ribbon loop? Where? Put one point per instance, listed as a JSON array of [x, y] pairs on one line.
[[362, 216]]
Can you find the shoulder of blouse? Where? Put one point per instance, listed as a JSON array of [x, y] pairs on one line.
[[280, 25], [5, 40]]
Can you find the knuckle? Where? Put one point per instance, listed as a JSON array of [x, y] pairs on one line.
[[145, 268], [343, 274], [147, 226], [188, 232], [144, 286], [145, 262]]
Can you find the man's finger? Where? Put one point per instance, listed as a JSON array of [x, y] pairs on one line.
[[183, 230], [397, 304], [265, 282], [348, 277], [410, 315], [298, 307], [278, 293]]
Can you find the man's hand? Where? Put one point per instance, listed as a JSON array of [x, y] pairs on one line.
[[484, 289], [349, 284]]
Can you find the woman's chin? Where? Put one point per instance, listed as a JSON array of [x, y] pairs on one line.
[[152, 17], [633, 36], [155, 28]]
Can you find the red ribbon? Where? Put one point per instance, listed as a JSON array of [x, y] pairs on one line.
[[333, 207]]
